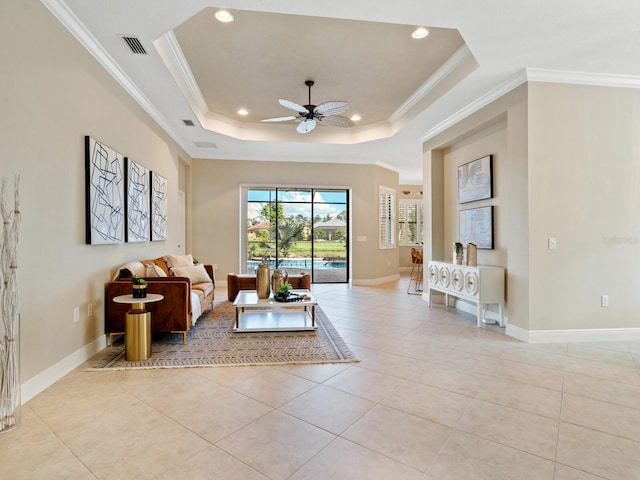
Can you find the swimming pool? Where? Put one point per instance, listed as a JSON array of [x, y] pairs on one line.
[[318, 264]]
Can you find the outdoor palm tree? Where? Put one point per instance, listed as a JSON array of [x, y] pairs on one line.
[[288, 232]]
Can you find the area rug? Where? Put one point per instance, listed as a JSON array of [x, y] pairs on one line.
[[212, 343]]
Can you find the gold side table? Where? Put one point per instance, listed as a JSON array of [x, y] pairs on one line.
[[137, 326]]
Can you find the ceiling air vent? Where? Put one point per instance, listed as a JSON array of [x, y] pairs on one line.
[[188, 123], [135, 45], [206, 144]]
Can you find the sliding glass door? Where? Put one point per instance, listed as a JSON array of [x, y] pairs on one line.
[[299, 230]]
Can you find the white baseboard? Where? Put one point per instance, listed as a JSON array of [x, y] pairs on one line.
[[517, 333], [48, 377], [575, 335], [555, 336], [375, 281]]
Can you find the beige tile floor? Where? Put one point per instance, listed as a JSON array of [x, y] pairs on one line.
[[433, 397]]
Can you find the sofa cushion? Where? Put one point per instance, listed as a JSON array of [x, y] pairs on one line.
[[196, 273], [205, 287], [179, 260], [200, 294]]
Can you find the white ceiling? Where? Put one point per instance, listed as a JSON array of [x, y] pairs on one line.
[[477, 52]]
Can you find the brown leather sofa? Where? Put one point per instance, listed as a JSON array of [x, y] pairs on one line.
[[172, 314], [237, 282]]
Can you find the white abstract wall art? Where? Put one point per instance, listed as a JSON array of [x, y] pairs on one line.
[[158, 207], [474, 180], [138, 201], [104, 179], [476, 226]]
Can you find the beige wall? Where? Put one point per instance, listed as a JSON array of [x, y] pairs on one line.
[[584, 178], [496, 130], [52, 94], [567, 166], [216, 209]]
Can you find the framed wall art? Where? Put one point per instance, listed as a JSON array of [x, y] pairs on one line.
[[104, 194], [475, 225], [158, 207], [137, 201], [474, 180]]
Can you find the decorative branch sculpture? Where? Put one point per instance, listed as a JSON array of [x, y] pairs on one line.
[[9, 303]]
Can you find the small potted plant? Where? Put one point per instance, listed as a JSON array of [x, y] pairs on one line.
[[283, 291], [139, 287]]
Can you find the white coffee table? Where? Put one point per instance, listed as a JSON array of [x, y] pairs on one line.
[[255, 314]]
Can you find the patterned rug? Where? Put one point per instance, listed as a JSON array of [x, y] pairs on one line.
[[212, 343]]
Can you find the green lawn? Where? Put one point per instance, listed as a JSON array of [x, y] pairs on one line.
[[322, 249]]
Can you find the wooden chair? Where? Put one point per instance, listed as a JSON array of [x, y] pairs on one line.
[[416, 272]]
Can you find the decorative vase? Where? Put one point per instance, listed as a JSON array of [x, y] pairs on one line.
[[278, 278], [457, 253], [262, 280], [472, 255], [139, 291], [10, 405]]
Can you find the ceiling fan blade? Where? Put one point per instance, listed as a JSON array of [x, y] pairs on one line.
[[306, 126], [279, 119], [336, 121], [332, 108], [292, 106]]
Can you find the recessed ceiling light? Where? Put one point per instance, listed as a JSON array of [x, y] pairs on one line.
[[242, 111], [224, 16], [419, 33], [356, 118]]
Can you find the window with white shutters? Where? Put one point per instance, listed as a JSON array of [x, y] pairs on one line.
[[387, 217], [410, 223]]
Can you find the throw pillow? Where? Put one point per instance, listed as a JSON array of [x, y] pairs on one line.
[[154, 271], [179, 260], [196, 273], [160, 262]]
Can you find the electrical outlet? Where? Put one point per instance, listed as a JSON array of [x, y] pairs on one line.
[[89, 309], [76, 314], [604, 301]]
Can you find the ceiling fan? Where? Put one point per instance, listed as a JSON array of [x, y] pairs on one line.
[[327, 113]]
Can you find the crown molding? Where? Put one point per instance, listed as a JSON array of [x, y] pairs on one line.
[[505, 87], [173, 57], [582, 78], [458, 58], [534, 75], [66, 17]]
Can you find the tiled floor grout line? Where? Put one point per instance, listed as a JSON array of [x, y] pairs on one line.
[[382, 352]]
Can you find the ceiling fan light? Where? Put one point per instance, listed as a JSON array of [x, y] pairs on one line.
[[356, 118], [420, 32], [224, 16]]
